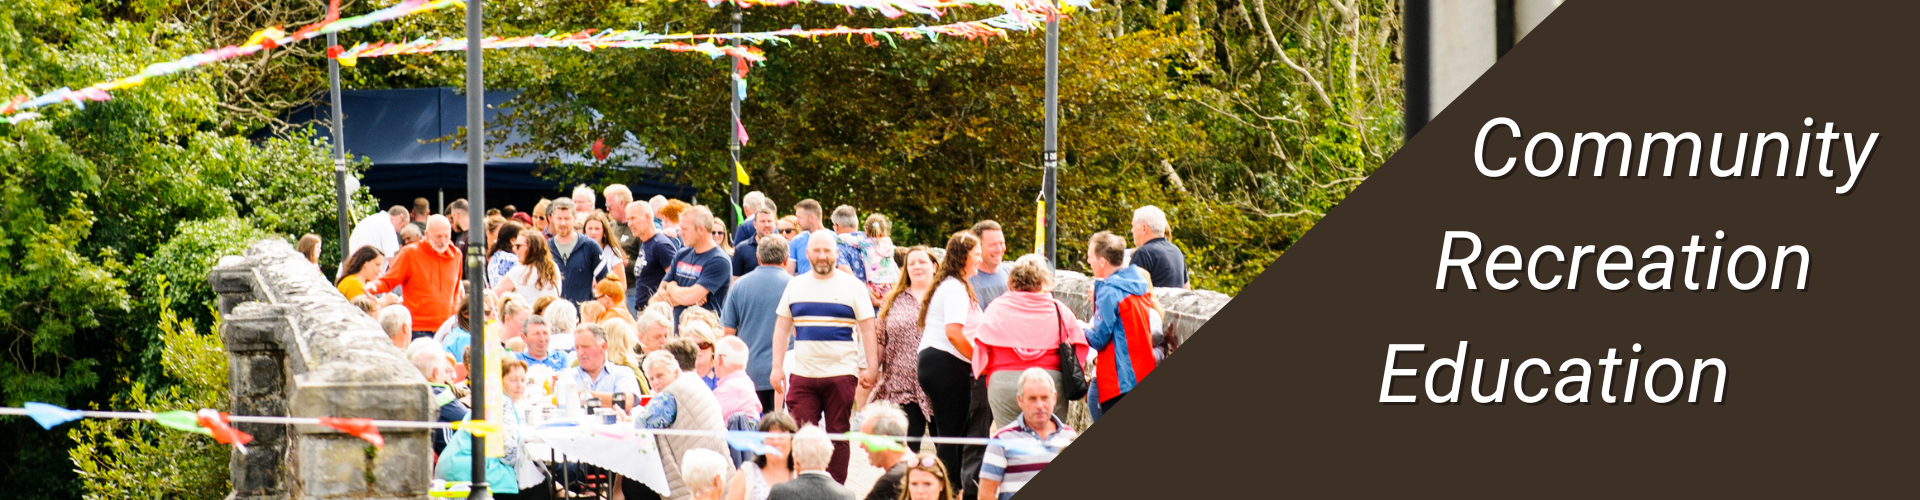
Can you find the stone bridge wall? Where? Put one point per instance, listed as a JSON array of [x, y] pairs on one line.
[[296, 348]]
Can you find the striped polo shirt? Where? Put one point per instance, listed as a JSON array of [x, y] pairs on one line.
[[825, 313], [1018, 453]]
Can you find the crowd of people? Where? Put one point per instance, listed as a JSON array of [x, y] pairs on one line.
[[786, 325]]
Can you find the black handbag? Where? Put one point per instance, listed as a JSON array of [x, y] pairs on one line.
[[1073, 381]]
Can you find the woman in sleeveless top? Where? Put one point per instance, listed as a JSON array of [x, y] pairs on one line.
[[755, 479]]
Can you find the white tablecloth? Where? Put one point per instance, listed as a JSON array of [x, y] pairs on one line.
[[618, 448]]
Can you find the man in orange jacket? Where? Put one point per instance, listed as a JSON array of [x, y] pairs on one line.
[[429, 271]]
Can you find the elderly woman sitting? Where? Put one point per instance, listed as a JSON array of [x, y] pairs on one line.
[[1022, 329]]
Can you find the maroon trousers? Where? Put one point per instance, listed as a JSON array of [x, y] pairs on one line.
[[809, 399]]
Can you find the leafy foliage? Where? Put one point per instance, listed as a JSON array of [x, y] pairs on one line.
[[141, 459], [91, 201], [1246, 128]]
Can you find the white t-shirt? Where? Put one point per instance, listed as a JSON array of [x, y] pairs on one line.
[[949, 305], [826, 314], [523, 278], [375, 230]]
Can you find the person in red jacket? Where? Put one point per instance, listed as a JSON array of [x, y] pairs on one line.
[[1122, 326], [429, 274]]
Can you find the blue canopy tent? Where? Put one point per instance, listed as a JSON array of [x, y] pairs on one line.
[[391, 127]]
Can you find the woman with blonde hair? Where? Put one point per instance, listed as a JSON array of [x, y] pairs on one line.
[[621, 338], [704, 338], [926, 480], [540, 215], [1024, 328]]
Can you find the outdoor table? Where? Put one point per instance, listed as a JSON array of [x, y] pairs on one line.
[[617, 447]]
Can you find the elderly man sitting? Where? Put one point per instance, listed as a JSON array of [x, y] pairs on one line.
[[705, 473], [681, 403], [811, 452], [437, 367], [1030, 443]]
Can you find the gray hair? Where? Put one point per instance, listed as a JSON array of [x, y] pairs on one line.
[[701, 470], [844, 215], [535, 320], [410, 230], [887, 418], [651, 318], [752, 201], [772, 250], [599, 332], [1036, 375], [562, 316], [396, 320], [659, 358], [811, 449], [1153, 217], [397, 211], [561, 204], [583, 189]]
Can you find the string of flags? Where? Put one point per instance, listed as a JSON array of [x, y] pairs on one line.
[[219, 426], [934, 8], [591, 39], [265, 39]]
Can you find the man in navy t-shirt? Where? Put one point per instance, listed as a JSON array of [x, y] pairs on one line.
[[761, 226], [700, 274], [1163, 262], [651, 249]]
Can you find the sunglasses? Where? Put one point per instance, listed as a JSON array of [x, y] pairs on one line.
[[929, 463], [789, 231], [704, 345], [717, 232]]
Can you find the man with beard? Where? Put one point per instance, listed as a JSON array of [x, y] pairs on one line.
[[825, 313]]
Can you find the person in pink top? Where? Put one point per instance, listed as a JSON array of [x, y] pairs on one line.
[[735, 389], [1024, 329]]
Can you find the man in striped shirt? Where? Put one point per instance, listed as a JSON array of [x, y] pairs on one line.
[[828, 315], [1025, 446]]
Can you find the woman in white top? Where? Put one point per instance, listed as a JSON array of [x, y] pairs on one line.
[[946, 354], [535, 275]]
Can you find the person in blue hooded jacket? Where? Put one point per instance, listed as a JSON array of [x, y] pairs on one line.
[[1122, 325]]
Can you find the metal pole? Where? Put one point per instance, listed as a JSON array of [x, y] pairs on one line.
[[1051, 155], [1418, 66], [476, 238], [339, 151], [733, 144]]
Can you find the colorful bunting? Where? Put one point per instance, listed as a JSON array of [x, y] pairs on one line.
[[359, 427], [477, 427], [748, 442], [897, 8], [265, 39], [50, 416], [873, 442], [181, 420], [216, 424]]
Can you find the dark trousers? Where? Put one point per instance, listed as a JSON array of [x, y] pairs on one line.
[[948, 382], [979, 424], [916, 425], [421, 334], [810, 399], [1107, 406], [766, 400]]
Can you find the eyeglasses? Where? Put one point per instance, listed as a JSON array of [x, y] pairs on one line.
[[717, 232], [704, 345], [789, 231]]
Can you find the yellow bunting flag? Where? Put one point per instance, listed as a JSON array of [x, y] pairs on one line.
[[1040, 227], [741, 172]]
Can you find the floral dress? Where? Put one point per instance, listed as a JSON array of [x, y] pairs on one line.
[[900, 355]]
